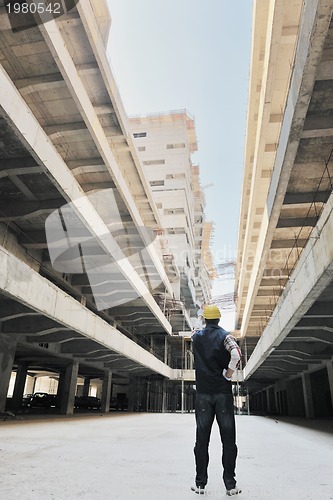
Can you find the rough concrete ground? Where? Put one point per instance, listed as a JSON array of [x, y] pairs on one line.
[[150, 456]]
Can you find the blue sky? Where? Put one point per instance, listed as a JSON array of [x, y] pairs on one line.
[[192, 54]]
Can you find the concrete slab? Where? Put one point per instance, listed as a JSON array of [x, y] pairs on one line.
[[149, 456]]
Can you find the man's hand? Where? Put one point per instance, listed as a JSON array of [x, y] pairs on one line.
[[227, 374]]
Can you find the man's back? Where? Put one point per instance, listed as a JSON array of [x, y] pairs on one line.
[[211, 357]]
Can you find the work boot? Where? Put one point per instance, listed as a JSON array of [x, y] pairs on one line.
[[234, 491], [200, 490]]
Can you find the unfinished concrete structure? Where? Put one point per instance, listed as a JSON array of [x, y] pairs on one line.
[[165, 143], [284, 274], [65, 138]]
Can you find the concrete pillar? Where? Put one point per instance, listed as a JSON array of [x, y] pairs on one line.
[[106, 391], [175, 398], [164, 396], [160, 396], [166, 350], [155, 396], [7, 355], [268, 402], [307, 393], [276, 396], [148, 396], [21, 376], [86, 386], [134, 394], [67, 384], [330, 378]]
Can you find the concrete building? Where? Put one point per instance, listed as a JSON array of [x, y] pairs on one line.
[[284, 270], [81, 261], [165, 143]]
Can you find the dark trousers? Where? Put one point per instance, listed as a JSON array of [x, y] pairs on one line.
[[207, 407]]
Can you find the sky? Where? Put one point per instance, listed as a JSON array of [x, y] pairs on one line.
[[194, 55]]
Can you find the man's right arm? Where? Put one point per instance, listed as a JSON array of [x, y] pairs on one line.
[[231, 346]]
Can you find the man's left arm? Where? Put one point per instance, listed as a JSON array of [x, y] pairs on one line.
[[231, 346]]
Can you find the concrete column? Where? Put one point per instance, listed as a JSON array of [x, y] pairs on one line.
[[166, 350], [132, 395], [148, 395], [106, 391], [160, 396], [330, 378], [21, 376], [276, 396], [307, 393], [268, 402], [67, 384], [86, 386], [7, 355], [164, 396], [174, 398]]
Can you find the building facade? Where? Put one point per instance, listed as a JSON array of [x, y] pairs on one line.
[[165, 144]]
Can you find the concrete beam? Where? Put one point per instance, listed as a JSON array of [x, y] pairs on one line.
[[10, 211], [58, 337], [36, 239], [314, 334], [299, 243], [10, 310], [42, 324], [62, 128], [85, 163], [79, 348], [320, 310], [316, 322], [311, 197], [39, 82], [17, 163], [297, 222], [19, 171], [306, 348]]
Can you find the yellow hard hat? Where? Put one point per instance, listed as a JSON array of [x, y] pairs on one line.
[[211, 312]]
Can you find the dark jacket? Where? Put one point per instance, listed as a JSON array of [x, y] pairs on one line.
[[211, 357]]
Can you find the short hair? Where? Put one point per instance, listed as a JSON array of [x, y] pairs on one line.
[[212, 321]]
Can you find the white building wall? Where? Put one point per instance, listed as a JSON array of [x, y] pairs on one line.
[[165, 146]]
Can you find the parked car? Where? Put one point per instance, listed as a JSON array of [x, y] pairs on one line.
[[87, 402], [42, 400], [26, 400]]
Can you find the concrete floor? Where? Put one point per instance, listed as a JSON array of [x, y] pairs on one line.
[[149, 456]]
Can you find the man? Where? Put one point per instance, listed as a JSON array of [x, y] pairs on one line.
[[216, 356]]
